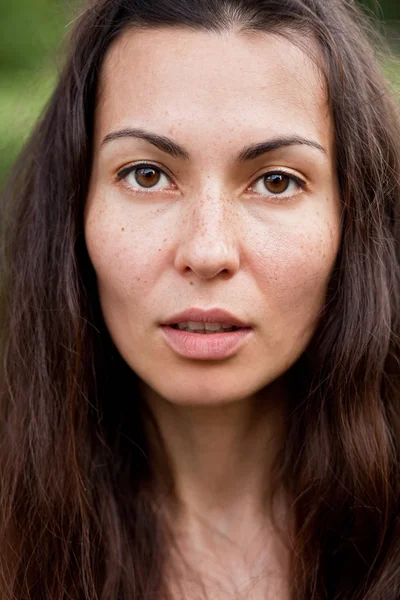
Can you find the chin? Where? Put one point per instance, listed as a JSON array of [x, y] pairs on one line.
[[204, 390]]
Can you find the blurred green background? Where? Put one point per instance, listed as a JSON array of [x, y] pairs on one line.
[[31, 55]]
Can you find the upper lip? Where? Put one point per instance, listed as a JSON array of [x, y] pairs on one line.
[[216, 315]]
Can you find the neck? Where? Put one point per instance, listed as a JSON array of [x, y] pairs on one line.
[[222, 456]]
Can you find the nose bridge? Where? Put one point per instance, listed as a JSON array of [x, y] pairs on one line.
[[209, 215], [208, 239]]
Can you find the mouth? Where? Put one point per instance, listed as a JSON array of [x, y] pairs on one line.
[[210, 321], [205, 328]]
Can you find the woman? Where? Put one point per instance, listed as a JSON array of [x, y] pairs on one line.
[[200, 373]]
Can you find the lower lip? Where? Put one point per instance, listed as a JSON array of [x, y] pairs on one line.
[[204, 346]]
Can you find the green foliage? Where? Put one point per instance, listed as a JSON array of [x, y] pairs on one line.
[[387, 9], [30, 30], [22, 97]]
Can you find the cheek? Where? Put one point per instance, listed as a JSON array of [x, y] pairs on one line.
[[294, 266], [125, 257]]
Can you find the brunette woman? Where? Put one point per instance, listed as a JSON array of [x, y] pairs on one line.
[[200, 315]]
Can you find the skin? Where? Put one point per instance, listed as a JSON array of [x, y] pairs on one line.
[[211, 235]]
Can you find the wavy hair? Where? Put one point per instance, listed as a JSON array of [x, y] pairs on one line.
[[79, 514]]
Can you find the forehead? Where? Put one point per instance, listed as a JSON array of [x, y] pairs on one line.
[[174, 79]]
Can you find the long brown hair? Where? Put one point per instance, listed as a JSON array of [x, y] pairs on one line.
[[78, 515]]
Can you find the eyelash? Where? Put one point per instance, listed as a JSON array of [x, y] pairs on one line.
[[123, 174]]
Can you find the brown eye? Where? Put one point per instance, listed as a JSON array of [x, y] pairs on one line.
[[147, 176], [277, 183], [144, 176]]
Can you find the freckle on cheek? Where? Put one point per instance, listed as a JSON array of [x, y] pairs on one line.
[[123, 229]]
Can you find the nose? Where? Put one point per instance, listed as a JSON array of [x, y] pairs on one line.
[[209, 237]]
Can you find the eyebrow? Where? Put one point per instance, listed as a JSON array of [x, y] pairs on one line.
[[177, 151]]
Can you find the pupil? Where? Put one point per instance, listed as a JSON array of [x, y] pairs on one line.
[[277, 184], [147, 177]]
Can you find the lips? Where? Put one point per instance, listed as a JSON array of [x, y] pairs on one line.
[[197, 346], [198, 315]]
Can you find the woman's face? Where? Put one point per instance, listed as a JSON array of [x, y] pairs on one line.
[[208, 223]]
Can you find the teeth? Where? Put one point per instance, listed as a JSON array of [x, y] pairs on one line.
[[213, 326], [206, 328], [192, 326]]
